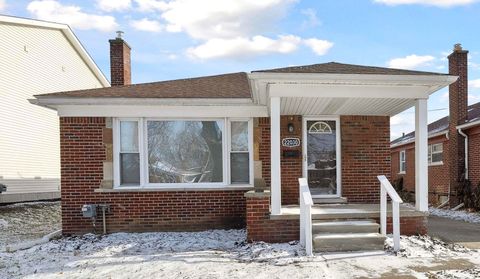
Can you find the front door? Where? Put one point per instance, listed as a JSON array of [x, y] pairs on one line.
[[321, 164]]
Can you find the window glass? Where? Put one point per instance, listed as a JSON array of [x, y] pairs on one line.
[[239, 136], [185, 151], [402, 161], [129, 168], [240, 171], [437, 157], [128, 136], [435, 153]]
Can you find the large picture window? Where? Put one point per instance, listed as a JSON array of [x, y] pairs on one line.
[[185, 151], [170, 153]]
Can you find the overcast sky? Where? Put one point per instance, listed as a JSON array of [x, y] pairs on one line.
[[187, 38]]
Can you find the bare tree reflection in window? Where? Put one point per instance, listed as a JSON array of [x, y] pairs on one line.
[[185, 151]]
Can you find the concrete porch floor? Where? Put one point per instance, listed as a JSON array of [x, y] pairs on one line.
[[345, 211]]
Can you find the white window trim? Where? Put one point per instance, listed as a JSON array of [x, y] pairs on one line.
[[250, 148], [430, 154], [404, 161], [143, 150], [116, 150]]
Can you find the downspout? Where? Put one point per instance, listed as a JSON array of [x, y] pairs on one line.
[[466, 151], [448, 197]]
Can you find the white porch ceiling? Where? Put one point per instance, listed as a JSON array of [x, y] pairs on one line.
[[343, 106]]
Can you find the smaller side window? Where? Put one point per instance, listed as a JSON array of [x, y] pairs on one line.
[[402, 161], [239, 152], [129, 153], [435, 153]]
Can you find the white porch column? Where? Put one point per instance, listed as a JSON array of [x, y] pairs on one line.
[[421, 155], [275, 179]]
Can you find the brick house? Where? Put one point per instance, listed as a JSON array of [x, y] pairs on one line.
[[450, 140], [187, 154]]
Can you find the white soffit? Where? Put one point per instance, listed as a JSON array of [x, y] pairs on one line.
[[343, 106]]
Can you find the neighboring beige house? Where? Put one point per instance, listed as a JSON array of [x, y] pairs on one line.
[[36, 56]]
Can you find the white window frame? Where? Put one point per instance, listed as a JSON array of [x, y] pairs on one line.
[[143, 150], [430, 154], [404, 162], [250, 148], [116, 151]]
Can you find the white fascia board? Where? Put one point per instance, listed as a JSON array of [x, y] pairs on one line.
[[55, 101], [427, 80], [412, 140], [348, 91], [68, 34], [162, 111]]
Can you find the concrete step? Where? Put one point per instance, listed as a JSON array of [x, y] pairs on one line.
[[339, 200], [345, 226], [336, 242]]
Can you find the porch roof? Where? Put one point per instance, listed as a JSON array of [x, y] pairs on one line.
[[312, 93]]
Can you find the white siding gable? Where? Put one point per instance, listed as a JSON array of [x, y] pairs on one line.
[[35, 60]]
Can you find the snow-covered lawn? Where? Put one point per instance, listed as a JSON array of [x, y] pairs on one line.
[[461, 215], [224, 254], [28, 221]]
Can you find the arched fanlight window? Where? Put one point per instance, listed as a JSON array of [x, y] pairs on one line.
[[320, 128]]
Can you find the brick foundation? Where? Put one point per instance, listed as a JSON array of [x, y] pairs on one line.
[[409, 225], [259, 225], [82, 155]]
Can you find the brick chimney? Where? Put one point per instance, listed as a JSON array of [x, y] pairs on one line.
[[120, 68], [458, 104]]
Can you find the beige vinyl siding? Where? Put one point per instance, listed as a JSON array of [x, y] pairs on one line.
[[34, 60]]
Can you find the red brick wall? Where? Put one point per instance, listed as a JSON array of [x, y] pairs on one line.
[[261, 228], [365, 154], [474, 155], [408, 225], [82, 156], [438, 175], [291, 168]]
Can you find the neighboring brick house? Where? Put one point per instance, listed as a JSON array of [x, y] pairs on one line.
[[186, 154], [446, 142]]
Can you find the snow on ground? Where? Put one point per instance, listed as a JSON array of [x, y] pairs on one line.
[[461, 215], [224, 254], [28, 221]]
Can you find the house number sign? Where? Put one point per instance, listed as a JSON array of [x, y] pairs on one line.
[[291, 142]]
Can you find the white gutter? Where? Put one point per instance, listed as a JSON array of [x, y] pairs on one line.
[[468, 125], [466, 151]]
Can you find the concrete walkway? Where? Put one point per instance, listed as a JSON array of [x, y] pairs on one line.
[[453, 231]]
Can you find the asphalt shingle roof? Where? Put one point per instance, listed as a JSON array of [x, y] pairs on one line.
[[441, 125], [340, 68], [234, 85]]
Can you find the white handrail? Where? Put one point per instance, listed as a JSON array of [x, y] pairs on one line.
[[306, 203], [387, 188]]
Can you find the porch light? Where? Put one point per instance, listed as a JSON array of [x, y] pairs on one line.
[[291, 128]]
